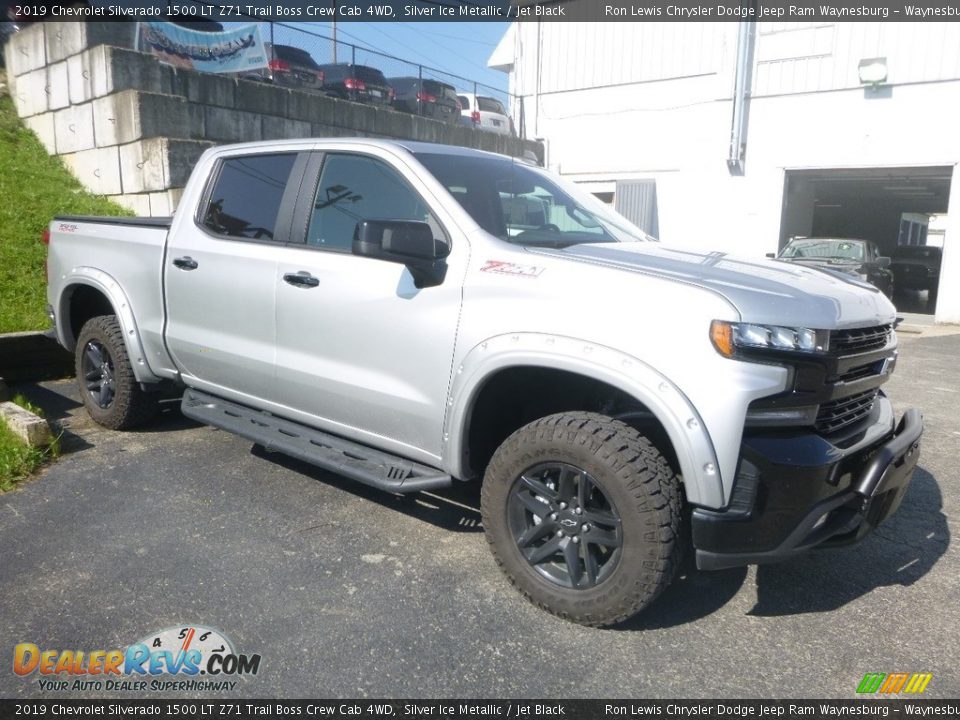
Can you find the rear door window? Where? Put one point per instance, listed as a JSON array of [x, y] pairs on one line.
[[464, 102], [245, 199], [490, 105]]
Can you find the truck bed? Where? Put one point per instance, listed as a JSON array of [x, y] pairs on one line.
[[132, 279]]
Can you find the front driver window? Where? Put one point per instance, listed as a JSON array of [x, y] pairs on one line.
[[354, 188]]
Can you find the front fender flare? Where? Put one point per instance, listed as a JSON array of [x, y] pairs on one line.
[[99, 280], [690, 439]]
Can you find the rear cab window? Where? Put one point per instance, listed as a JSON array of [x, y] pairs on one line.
[[245, 197], [490, 105]]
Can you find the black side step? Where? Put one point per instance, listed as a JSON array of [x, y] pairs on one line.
[[340, 456]]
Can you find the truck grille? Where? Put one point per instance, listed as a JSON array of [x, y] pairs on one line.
[[838, 414], [849, 342]]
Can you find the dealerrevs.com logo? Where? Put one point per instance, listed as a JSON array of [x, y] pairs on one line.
[[169, 660]]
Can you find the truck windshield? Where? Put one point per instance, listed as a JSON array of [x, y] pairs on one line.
[[525, 205], [824, 249]]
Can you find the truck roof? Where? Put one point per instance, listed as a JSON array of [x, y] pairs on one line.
[[408, 145]]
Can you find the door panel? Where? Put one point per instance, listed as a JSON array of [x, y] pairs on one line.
[[220, 275], [365, 349], [364, 352]]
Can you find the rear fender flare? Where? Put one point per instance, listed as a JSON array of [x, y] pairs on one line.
[[99, 280]]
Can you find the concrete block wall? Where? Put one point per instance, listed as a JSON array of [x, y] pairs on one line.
[[131, 127]]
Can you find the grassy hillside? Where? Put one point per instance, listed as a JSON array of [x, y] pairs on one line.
[[33, 188]]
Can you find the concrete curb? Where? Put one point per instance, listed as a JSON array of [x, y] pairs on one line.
[[33, 356], [31, 428]]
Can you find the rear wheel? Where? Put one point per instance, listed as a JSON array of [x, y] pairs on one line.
[[583, 515], [110, 391]]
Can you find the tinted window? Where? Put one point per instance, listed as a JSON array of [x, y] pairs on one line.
[[524, 205], [354, 188], [464, 101], [369, 74], [490, 105], [294, 55], [245, 200], [439, 89]]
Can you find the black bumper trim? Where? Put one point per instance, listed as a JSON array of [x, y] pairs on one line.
[[840, 519]]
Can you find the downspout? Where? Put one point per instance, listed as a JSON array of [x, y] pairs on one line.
[[741, 90]]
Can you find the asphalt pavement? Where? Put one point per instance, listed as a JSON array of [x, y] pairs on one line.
[[349, 592]]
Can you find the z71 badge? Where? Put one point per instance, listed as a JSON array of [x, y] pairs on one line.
[[508, 268]]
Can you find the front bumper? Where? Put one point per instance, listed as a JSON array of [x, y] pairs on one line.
[[796, 490]]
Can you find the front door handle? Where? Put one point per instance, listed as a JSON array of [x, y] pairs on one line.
[[301, 279], [186, 263]]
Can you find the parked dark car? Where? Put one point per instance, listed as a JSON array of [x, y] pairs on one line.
[[427, 98], [290, 67], [358, 83], [859, 258], [917, 267]]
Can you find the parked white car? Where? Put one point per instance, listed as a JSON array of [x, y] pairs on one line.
[[486, 113]]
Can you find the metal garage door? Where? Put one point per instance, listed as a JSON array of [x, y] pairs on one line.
[[636, 200]]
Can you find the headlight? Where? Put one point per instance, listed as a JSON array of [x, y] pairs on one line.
[[727, 337]]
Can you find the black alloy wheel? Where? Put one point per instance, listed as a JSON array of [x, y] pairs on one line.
[[565, 525], [99, 374]]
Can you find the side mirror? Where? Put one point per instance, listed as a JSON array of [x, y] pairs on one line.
[[771, 255], [883, 261], [406, 242]]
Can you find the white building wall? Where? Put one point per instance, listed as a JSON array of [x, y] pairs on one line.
[[654, 100]]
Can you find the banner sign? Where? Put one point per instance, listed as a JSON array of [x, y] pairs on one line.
[[233, 50]]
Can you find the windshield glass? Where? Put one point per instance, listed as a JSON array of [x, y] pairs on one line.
[[525, 205], [824, 249]]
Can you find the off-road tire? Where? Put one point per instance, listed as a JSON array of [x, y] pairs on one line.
[[130, 406], [637, 480]]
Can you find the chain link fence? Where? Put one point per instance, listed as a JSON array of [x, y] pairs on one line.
[[324, 49]]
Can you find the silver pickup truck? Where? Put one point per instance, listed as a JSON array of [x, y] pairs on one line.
[[411, 315]]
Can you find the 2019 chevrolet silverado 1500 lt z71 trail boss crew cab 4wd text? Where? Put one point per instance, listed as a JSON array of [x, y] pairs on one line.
[[408, 315]]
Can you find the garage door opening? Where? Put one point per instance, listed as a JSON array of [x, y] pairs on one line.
[[897, 208]]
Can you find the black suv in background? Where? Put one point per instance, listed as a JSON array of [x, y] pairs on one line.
[[917, 267], [290, 67], [358, 83], [427, 98]]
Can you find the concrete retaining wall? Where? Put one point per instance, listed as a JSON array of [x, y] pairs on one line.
[[131, 127]]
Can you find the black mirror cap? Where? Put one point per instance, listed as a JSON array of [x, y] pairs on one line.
[[404, 241], [398, 240], [883, 261]]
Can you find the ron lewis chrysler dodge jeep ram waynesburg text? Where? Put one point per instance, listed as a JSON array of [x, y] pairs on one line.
[[411, 315]]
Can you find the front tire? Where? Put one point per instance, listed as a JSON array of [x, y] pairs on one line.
[[583, 516], [110, 391]]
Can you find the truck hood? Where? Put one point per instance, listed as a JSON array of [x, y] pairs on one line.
[[762, 291]]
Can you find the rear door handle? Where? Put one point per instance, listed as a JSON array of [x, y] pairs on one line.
[[301, 279], [186, 263]]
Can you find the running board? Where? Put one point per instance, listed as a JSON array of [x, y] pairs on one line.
[[336, 454]]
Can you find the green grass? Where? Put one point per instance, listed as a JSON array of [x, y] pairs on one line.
[[17, 459], [33, 188]]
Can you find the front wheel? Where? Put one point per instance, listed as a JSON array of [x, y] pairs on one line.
[[110, 392], [583, 515]]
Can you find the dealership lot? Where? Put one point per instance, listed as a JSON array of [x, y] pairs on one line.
[[349, 592]]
